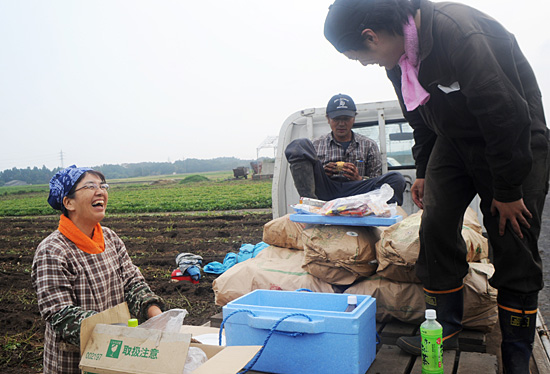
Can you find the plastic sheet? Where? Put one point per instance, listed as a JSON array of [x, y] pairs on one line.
[[195, 358], [373, 202], [170, 321]]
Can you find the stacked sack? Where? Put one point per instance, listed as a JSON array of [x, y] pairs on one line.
[[376, 261], [399, 245], [398, 291], [277, 267]]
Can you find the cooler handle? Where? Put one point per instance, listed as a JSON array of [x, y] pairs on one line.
[[299, 327]]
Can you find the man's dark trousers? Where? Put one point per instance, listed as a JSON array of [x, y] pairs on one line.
[[302, 150], [457, 170]]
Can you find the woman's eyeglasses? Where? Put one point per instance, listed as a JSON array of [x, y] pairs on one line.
[[93, 187]]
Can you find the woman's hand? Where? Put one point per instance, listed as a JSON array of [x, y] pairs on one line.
[[417, 191], [516, 212], [153, 311]]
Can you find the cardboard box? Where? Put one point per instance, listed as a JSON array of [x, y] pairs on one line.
[[115, 349], [319, 337], [112, 349], [228, 360]]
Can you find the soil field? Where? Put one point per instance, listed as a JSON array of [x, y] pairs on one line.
[[153, 242]]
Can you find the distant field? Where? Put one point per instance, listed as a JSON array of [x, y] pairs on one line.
[[153, 194]]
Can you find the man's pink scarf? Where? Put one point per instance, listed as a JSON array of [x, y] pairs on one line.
[[413, 93]]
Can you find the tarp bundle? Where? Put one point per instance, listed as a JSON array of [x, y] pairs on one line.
[[246, 252]]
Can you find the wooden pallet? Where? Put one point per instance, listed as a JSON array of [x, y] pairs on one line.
[[472, 357], [390, 359]]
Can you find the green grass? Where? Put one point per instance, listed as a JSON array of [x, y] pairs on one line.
[[142, 195], [194, 179], [20, 190], [211, 175]]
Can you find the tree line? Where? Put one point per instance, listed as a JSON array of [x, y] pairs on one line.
[[43, 175]]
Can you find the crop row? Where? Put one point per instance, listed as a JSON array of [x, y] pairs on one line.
[[143, 198]]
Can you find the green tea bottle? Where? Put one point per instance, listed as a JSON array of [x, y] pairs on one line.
[[132, 322], [431, 333]]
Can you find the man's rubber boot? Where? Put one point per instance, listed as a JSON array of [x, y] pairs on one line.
[[449, 307], [517, 316], [304, 180]]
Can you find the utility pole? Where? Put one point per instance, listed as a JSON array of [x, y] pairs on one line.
[[61, 158]]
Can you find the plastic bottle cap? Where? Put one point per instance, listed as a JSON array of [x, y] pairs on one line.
[[431, 314], [132, 322], [352, 300]]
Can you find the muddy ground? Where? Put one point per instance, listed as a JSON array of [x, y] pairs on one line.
[[153, 242]]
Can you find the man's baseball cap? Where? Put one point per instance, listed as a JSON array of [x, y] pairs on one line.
[[341, 105], [344, 23]]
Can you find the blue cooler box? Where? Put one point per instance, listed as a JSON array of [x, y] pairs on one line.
[[323, 338]]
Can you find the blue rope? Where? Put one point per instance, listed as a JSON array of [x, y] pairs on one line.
[[255, 359], [226, 318], [275, 325]]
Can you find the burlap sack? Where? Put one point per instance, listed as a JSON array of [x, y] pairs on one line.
[[401, 212], [283, 232], [399, 245], [274, 268], [394, 300], [405, 301], [471, 220], [480, 299], [476, 244], [339, 254]]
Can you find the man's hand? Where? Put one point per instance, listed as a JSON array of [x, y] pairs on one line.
[[516, 212], [350, 171], [330, 169], [417, 191]]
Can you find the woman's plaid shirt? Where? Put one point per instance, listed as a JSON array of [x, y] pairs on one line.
[[71, 285]]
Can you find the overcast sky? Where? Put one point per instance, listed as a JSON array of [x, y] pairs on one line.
[[109, 82]]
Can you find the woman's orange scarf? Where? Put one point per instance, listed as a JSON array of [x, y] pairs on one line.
[[92, 246]]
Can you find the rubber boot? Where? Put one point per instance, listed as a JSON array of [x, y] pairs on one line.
[[517, 316], [304, 180], [449, 307]]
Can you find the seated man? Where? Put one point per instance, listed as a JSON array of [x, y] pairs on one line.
[[341, 163]]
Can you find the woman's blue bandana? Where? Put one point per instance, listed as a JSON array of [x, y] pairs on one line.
[[62, 182]]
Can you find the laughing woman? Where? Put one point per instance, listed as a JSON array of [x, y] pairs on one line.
[[83, 268]]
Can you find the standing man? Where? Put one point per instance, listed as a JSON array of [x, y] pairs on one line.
[[340, 163], [475, 107]]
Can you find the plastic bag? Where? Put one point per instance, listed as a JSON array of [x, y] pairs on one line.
[[195, 358], [306, 209], [373, 202], [169, 321]]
